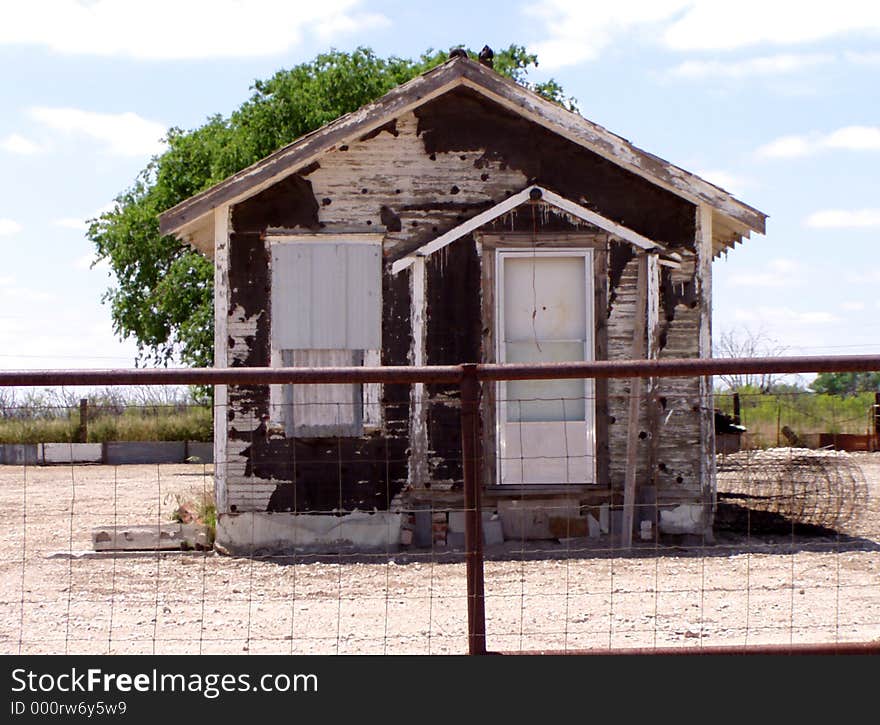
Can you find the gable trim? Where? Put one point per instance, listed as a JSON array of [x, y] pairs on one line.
[[533, 193]]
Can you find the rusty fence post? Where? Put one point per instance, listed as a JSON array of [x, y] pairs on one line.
[[83, 432], [877, 421], [473, 531]]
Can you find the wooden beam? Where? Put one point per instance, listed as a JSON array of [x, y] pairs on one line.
[[598, 220], [652, 399], [461, 230], [635, 394], [703, 244], [418, 425], [221, 352], [600, 324], [536, 193]]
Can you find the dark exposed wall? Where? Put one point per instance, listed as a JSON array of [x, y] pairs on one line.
[[452, 337], [463, 120], [289, 203]]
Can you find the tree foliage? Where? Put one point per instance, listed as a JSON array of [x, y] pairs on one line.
[[162, 295], [846, 383]]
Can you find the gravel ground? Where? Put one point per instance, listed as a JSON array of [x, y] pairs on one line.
[[742, 590]]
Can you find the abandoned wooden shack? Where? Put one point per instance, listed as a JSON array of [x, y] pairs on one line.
[[460, 218]]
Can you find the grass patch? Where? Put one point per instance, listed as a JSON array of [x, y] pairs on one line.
[[197, 510], [135, 414]]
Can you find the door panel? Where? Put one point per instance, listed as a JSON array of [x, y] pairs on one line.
[[546, 430]]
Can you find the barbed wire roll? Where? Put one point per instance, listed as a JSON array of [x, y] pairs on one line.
[[819, 488]]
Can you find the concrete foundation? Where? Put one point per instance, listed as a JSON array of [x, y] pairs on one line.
[[151, 537], [255, 531]]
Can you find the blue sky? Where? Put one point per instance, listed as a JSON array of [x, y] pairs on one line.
[[777, 102]]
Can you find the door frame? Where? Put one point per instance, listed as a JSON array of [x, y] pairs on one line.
[[501, 254]]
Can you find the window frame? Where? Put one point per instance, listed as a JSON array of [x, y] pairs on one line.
[[365, 398]]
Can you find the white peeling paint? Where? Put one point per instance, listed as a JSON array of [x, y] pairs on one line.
[[686, 518]]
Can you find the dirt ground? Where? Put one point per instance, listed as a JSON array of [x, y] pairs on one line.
[[744, 589]]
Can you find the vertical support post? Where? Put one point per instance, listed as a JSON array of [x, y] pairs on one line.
[[737, 411], [473, 528], [704, 249], [83, 432], [877, 421], [221, 352], [635, 395], [778, 423], [418, 423]]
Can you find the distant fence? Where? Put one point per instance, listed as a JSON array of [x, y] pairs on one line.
[[113, 453]]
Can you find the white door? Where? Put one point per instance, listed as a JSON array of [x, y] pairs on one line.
[[545, 314]]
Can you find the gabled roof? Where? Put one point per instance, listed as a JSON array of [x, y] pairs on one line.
[[190, 218]]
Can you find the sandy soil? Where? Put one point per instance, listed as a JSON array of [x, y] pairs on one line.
[[742, 590]]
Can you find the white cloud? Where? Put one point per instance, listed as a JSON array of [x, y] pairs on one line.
[[574, 30], [12, 292], [762, 66], [854, 138], [82, 225], [342, 23], [726, 180], [17, 144], [844, 219], [712, 25], [849, 138], [865, 276], [787, 147], [72, 222], [776, 273], [123, 134], [170, 29], [8, 226], [852, 306], [868, 58]]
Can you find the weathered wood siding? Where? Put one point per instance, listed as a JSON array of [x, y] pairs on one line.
[[414, 179]]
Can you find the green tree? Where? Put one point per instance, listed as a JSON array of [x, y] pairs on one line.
[[162, 294], [846, 383]]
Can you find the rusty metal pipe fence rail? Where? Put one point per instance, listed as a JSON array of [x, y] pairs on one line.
[[468, 379], [687, 367]]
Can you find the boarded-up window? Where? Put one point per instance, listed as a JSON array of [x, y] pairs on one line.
[[326, 312], [326, 295], [322, 410]]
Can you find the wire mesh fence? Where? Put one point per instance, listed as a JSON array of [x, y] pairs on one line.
[[324, 545]]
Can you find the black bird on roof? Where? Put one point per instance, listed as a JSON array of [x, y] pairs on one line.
[[487, 56], [458, 53]]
